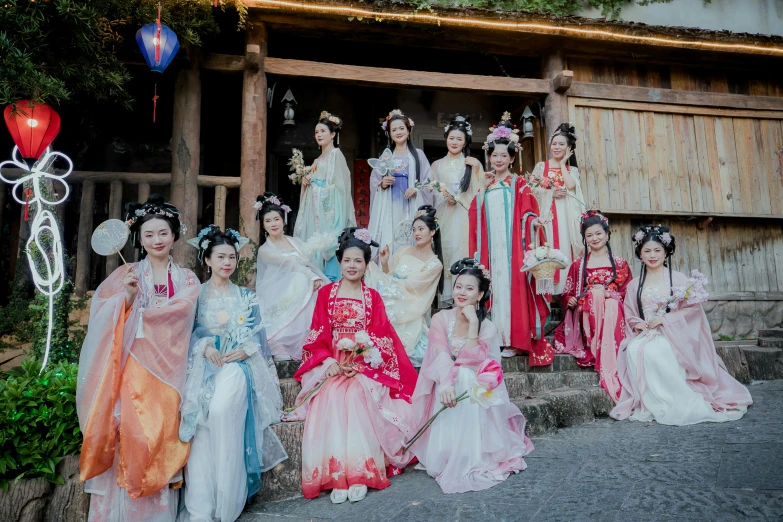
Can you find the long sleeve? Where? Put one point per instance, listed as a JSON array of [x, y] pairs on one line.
[[572, 283], [438, 364], [425, 177]]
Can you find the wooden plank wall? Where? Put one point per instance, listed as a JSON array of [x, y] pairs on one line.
[[735, 255], [668, 76], [665, 159]]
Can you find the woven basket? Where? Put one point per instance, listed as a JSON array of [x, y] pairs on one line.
[[544, 272]]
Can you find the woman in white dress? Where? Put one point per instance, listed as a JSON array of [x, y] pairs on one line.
[[470, 446], [561, 193], [668, 367], [287, 282], [326, 204], [409, 283], [398, 182], [458, 178], [232, 394]]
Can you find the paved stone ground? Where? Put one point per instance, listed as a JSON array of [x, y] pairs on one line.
[[603, 471]]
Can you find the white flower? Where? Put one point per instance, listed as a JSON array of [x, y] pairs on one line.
[[345, 344], [483, 397], [222, 317], [373, 357], [204, 244], [240, 319], [362, 337]]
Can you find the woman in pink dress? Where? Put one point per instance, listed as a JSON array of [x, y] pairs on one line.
[[356, 421], [593, 296], [667, 364], [469, 447]]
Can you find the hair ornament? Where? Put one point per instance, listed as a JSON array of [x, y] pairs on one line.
[[362, 234], [593, 213], [330, 117], [207, 236], [131, 218], [270, 200], [459, 123], [653, 230], [502, 131], [395, 112], [470, 263]]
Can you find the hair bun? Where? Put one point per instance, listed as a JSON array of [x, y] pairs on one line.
[[156, 199], [463, 264]]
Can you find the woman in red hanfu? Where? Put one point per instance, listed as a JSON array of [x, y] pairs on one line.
[[356, 421], [593, 296], [503, 221]]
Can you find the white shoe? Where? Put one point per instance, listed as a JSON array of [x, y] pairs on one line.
[[510, 352], [357, 493], [339, 496]]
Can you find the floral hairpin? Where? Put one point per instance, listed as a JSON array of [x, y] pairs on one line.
[[274, 200], [203, 239], [460, 121], [141, 212], [593, 213], [665, 237], [501, 132], [484, 271], [330, 117], [395, 112], [362, 234]]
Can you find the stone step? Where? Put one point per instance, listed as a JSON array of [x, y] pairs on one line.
[[544, 411], [519, 384], [771, 342], [561, 363], [763, 363], [777, 333]]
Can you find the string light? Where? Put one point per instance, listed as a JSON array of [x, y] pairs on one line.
[[44, 231], [486, 23]]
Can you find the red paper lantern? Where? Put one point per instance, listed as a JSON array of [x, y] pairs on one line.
[[32, 127]]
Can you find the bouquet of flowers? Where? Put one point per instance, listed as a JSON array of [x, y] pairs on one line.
[[240, 326], [543, 262], [482, 392], [298, 168], [318, 243], [693, 293]]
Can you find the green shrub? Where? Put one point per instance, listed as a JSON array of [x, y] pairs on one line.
[[38, 422]]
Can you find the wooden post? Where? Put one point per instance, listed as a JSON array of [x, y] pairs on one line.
[[220, 206], [83, 248], [556, 107], [185, 152], [115, 212], [253, 159], [144, 193]]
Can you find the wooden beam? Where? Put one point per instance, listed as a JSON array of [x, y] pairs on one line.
[[556, 105], [115, 212], [618, 212], [562, 82], [185, 157], [80, 176], [375, 76], [224, 62], [675, 109], [674, 97], [252, 168], [220, 207], [83, 249], [747, 296]]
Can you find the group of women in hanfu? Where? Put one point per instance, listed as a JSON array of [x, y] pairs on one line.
[[178, 389]]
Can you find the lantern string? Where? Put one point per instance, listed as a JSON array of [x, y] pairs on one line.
[[155, 103], [44, 231]]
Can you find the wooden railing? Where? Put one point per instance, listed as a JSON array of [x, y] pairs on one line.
[[117, 184]]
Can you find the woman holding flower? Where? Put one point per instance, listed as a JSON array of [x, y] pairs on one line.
[[593, 297], [668, 367], [503, 223], [477, 442], [557, 188], [456, 179], [288, 278], [232, 394], [398, 183], [356, 380], [326, 205]]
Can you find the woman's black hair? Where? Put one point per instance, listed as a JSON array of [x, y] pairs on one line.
[[589, 219], [333, 126], [216, 237], [348, 240], [462, 125], [411, 149], [658, 234], [469, 266], [568, 131], [426, 214], [136, 214]]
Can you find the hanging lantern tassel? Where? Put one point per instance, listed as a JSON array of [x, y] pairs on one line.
[[155, 103], [216, 3], [27, 194]]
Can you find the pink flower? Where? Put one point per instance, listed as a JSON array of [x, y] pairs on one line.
[[666, 238], [489, 374], [286, 208], [257, 205], [638, 237], [501, 133], [363, 234]]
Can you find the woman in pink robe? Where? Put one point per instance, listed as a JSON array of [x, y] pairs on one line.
[[358, 420], [668, 367], [470, 446]]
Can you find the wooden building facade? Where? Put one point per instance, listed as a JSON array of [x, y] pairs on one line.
[[677, 127]]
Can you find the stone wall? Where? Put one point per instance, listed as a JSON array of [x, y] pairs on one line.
[[742, 319]]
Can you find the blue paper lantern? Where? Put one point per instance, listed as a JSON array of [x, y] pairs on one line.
[[157, 53]]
